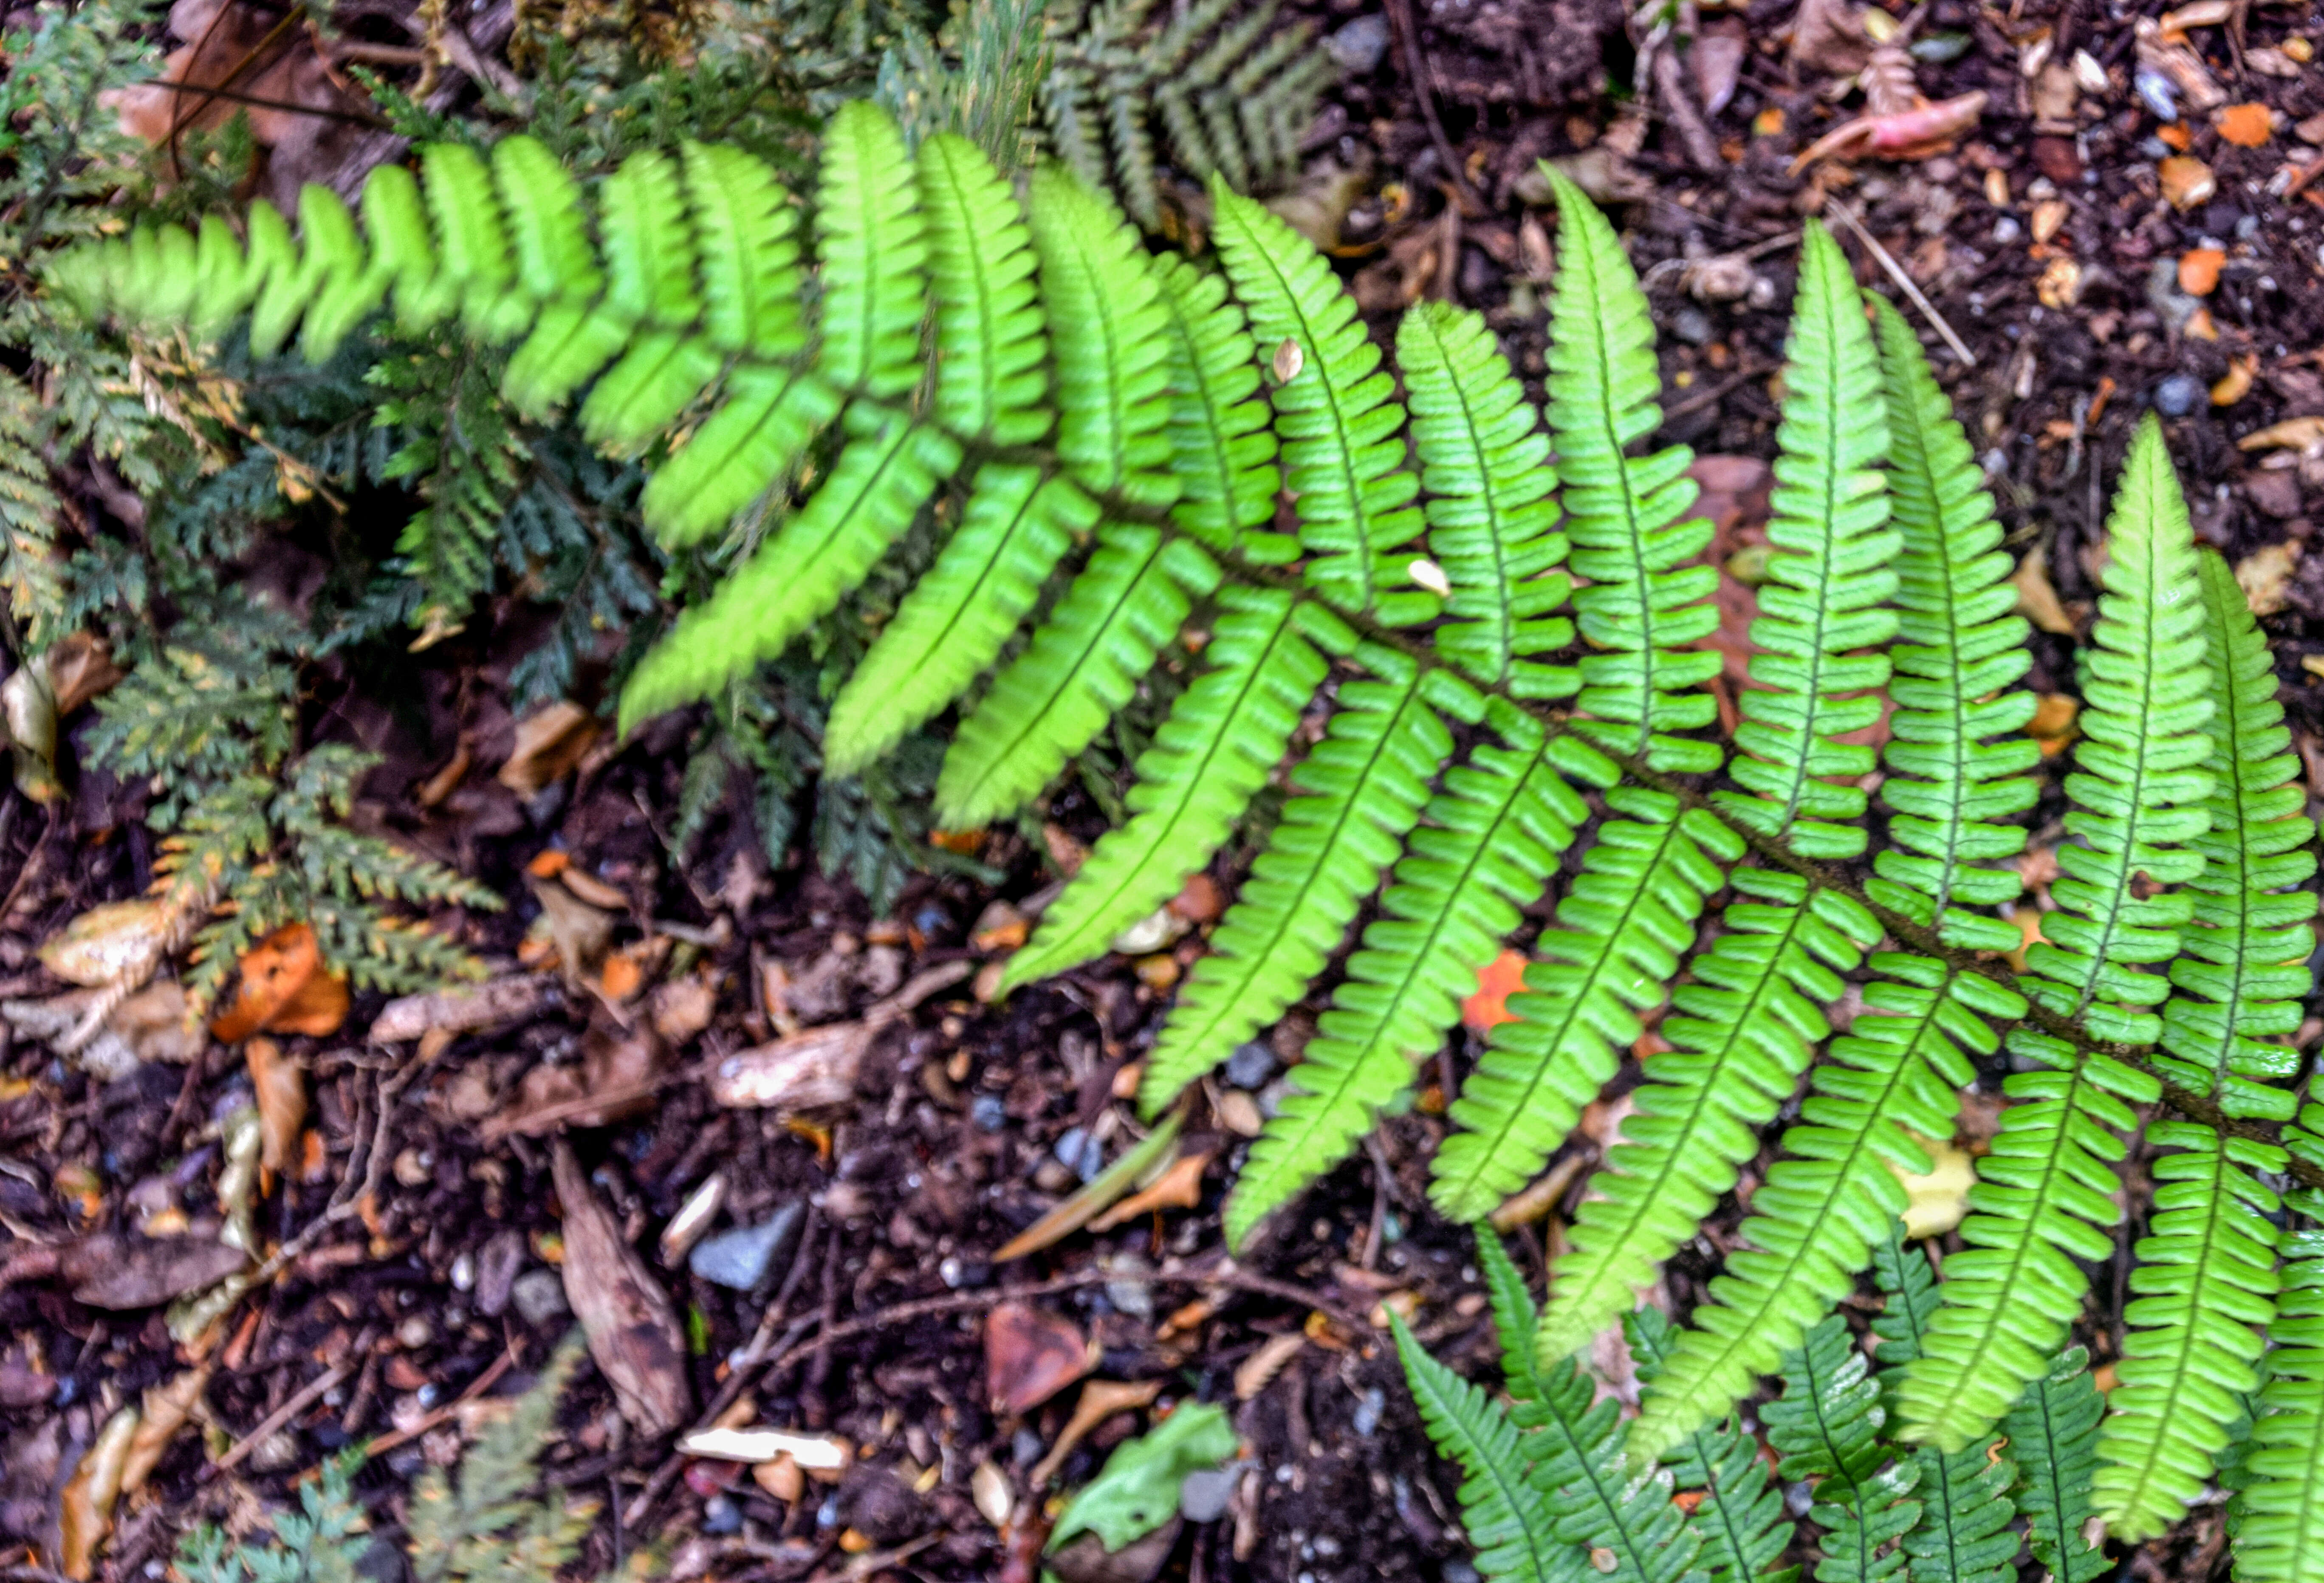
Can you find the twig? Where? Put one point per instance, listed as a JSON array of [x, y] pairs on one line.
[[1711, 393], [259, 102], [305, 1398], [1415, 67], [1905, 283], [476, 1387]]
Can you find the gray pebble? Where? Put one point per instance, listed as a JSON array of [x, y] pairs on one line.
[[1202, 1496], [1025, 1448], [1692, 324], [740, 1259], [539, 1298], [1369, 1409], [2178, 395], [988, 1112], [1358, 47], [1080, 1153], [1457, 1570], [1250, 1066], [497, 1268], [719, 1515], [2006, 230]]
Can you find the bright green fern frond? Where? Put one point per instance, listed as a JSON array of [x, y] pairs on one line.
[[1507, 1518], [1629, 920], [1080, 668], [1335, 412], [1743, 1033], [2241, 972], [1224, 449], [1223, 737], [1360, 793], [1829, 579], [31, 579], [989, 345], [1959, 646], [1486, 465], [1963, 1534], [2045, 1193], [875, 488], [1487, 840], [1109, 331], [2207, 1282], [2280, 1538], [1600, 1503], [956, 617], [1740, 1517], [1642, 606], [1826, 1426], [874, 250], [1833, 1196], [2053, 1436]]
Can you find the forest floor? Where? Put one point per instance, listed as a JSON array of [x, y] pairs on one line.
[[2092, 260]]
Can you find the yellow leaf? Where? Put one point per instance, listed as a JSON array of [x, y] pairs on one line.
[[1936, 1202]]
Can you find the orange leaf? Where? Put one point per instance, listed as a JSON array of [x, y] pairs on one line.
[[1498, 979], [2199, 271], [2247, 127], [283, 989]]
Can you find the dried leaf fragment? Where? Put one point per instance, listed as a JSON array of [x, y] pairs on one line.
[[1936, 1201], [85, 1516], [2293, 434], [2199, 271], [1496, 981], [1178, 1188], [632, 1331], [1253, 1374], [280, 1081], [2186, 181], [467, 1009], [2037, 599], [1029, 1356], [2263, 573], [1099, 1400], [2245, 125], [166, 1409], [550, 742], [282, 988]]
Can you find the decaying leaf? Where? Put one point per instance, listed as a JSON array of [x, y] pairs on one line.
[[2263, 573], [28, 712], [2186, 181], [1178, 1188], [1496, 981], [618, 1077], [112, 1270], [2246, 125], [816, 1069], [245, 1137], [1099, 1400], [167, 1408], [550, 742], [280, 1082], [1029, 1356], [153, 1025], [84, 1514], [1936, 1202], [2293, 434], [117, 941], [1828, 36], [632, 1331], [2037, 598], [467, 1009], [1094, 1196], [283, 988], [682, 1007]]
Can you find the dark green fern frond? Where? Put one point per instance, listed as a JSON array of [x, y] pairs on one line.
[[1514, 1316], [2043, 1199], [1959, 646], [2280, 1532], [1826, 1426], [1621, 1517], [1508, 1519], [1360, 791], [1740, 1517], [1627, 921], [1642, 606], [1336, 413], [1833, 567], [2054, 1433], [1743, 1033], [1963, 1534], [1488, 840], [30, 578], [1485, 464]]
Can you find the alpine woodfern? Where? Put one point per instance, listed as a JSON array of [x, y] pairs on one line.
[[1492, 619]]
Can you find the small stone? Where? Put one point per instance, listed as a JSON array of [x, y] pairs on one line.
[[2006, 230], [740, 1259], [719, 1515], [464, 1273], [1692, 324], [988, 1113], [414, 1333], [539, 1298], [497, 1268], [1368, 1408], [1134, 1298], [1238, 1112], [1250, 1066], [2178, 395], [1202, 1496], [1359, 46], [1457, 1570]]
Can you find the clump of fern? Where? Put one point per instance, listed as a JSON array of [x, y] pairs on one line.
[[1078, 445]]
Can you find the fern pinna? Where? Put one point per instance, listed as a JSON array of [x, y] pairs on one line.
[[1500, 612]]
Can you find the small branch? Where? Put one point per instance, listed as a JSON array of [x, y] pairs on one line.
[[1905, 283], [306, 1397]]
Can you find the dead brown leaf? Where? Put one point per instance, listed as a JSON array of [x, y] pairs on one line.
[[2037, 598], [1828, 36], [79, 667], [1178, 1188], [467, 1009], [85, 1511], [632, 1331], [1099, 1400], [580, 932], [2293, 434], [283, 988], [618, 1075], [682, 1007], [112, 1270], [2265, 574], [1029, 1356], [550, 742], [120, 939], [167, 1408], [280, 1081], [816, 1069]]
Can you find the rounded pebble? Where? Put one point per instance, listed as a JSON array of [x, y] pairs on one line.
[[2178, 395], [1203, 1494]]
